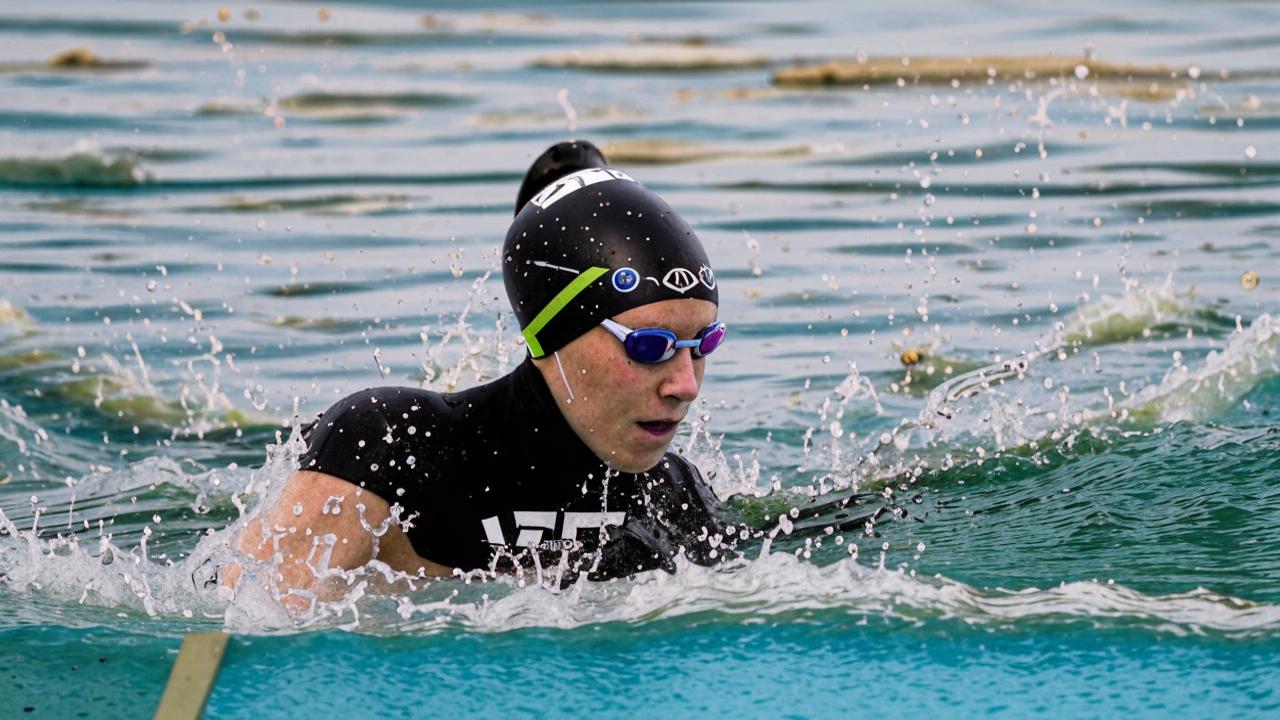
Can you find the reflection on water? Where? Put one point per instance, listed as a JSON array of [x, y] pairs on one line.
[[217, 224]]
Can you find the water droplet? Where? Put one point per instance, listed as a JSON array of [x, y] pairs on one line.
[[151, 286], [297, 509], [1251, 152], [1193, 72], [1249, 280], [1082, 71]]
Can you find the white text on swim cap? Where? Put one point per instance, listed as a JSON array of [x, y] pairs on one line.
[[575, 181]]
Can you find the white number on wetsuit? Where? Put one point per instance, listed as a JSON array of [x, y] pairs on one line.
[[533, 525]]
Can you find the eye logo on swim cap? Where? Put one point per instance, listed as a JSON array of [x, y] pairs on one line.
[[625, 279], [707, 277], [680, 280], [573, 182]]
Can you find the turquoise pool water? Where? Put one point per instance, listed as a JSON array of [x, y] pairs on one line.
[[214, 227]]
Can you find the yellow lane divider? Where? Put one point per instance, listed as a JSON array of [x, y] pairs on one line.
[[192, 677]]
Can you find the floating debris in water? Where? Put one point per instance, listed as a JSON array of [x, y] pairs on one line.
[[82, 58], [1249, 280], [677, 58], [941, 70]]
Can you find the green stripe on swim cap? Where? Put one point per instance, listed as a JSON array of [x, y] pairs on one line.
[[558, 303]]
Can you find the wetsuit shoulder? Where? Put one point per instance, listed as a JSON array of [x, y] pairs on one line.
[[374, 437], [400, 442]]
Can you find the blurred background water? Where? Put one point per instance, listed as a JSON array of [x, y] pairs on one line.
[[1008, 268]]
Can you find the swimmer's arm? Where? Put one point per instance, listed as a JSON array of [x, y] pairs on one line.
[[291, 552]]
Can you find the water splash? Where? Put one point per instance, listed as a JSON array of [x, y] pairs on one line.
[[1044, 397], [462, 355], [1189, 394]]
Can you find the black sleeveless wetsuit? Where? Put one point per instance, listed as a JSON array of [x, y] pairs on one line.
[[495, 479]]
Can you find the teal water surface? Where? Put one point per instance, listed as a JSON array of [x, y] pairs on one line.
[[214, 227]]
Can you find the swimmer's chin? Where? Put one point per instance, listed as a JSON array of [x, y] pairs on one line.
[[645, 450]]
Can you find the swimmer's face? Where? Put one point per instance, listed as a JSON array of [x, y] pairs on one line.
[[624, 411]]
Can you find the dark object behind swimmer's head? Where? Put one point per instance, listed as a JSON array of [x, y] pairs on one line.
[[590, 243], [559, 160]]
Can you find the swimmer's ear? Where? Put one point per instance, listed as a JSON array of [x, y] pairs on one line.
[[559, 160]]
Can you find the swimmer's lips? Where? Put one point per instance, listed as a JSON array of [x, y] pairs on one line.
[[659, 428]]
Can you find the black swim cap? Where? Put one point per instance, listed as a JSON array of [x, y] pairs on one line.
[[591, 244]]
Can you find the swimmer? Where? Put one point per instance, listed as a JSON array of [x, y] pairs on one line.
[[561, 466]]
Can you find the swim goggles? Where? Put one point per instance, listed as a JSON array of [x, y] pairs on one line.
[[655, 345]]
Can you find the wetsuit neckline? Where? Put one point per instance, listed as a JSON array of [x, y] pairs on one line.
[[531, 390]]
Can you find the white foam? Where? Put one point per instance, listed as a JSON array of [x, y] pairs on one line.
[[779, 584]]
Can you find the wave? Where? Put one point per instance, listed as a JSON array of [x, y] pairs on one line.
[[1113, 318], [598, 114], [779, 584], [84, 166], [1163, 210], [358, 106], [1046, 397], [124, 392], [942, 70], [53, 575], [14, 320], [337, 106], [47, 575], [661, 151], [104, 173], [78, 59], [655, 58], [1226, 376], [338, 204]]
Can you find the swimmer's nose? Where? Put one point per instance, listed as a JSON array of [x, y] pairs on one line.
[[681, 379]]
